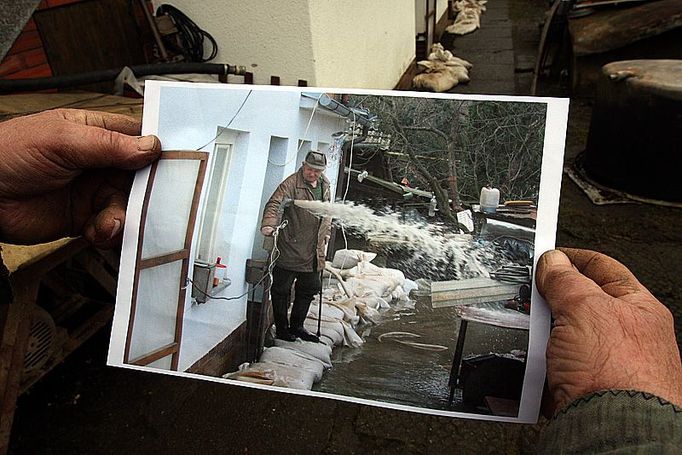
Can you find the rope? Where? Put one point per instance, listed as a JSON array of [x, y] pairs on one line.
[[274, 255]]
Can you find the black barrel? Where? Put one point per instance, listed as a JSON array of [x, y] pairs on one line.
[[635, 139]]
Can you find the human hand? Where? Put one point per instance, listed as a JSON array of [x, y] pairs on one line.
[[267, 230], [66, 172], [609, 332]]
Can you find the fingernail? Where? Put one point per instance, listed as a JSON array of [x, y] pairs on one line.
[[146, 143], [116, 229], [556, 257]]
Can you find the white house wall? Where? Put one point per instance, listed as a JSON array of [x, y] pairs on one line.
[[361, 43], [263, 115], [328, 43]]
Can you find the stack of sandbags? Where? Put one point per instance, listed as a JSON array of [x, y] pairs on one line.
[[441, 71], [296, 365], [360, 292], [468, 16]]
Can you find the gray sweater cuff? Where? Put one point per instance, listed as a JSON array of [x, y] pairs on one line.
[[615, 421]]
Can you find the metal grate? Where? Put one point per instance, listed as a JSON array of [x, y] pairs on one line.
[[40, 340]]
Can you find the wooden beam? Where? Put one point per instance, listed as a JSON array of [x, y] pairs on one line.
[[165, 259], [469, 291], [183, 155], [155, 355]]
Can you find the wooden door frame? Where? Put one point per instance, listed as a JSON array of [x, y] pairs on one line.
[[180, 255]]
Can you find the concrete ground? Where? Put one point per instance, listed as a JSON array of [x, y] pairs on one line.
[[85, 407]]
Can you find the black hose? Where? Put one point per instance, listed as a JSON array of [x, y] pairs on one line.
[[191, 36], [71, 80]]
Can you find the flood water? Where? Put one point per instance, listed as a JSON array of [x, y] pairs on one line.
[[395, 373], [386, 370]]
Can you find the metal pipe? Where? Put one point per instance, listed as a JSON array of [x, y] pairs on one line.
[[71, 80], [331, 104]]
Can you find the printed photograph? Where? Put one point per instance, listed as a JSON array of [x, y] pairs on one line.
[[375, 247]]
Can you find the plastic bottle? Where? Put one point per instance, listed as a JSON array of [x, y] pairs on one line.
[[490, 199], [220, 272]]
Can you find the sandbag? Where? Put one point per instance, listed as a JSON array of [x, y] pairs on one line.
[[398, 294], [351, 337], [331, 330], [346, 259], [367, 313], [379, 285], [347, 306], [294, 358], [274, 374], [330, 310], [375, 302], [320, 351]]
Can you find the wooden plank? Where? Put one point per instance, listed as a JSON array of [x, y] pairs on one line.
[[88, 329], [89, 36], [156, 354], [466, 292], [165, 259], [32, 72], [494, 314], [184, 155], [138, 259], [22, 61], [225, 356], [27, 40], [13, 340], [191, 221], [405, 81], [30, 103], [93, 265]]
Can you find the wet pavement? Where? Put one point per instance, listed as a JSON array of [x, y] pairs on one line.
[[85, 407]]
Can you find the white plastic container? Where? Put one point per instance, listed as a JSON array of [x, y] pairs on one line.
[[490, 199]]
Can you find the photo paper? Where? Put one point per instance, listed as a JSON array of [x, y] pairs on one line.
[[368, 246]]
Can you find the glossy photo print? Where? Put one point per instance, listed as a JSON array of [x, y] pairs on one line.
[[369, 246]]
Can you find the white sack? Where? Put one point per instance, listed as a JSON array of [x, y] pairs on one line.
[[346, 259], [294, 358], [320, 351], [274, 374]]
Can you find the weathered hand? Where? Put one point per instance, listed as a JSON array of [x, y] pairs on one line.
[[267, 230], [66, 172], [609, 332]]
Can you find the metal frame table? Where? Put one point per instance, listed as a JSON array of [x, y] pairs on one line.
[[492, 313]]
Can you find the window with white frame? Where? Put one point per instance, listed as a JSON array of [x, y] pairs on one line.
[[213, 201]]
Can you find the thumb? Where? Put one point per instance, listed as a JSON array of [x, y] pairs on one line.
[[92, 147], [561, 284]]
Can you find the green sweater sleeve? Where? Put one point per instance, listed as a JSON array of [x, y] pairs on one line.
[[615, 421]]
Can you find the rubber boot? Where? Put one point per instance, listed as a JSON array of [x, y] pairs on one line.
[[279, 311], [299, 311]]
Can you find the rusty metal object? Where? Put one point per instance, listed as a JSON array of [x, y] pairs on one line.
[[635, 134], [613, 29]]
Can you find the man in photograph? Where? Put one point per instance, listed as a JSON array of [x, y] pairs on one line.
[[302, 245]]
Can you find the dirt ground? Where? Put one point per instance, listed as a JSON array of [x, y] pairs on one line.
[[83, 406]]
